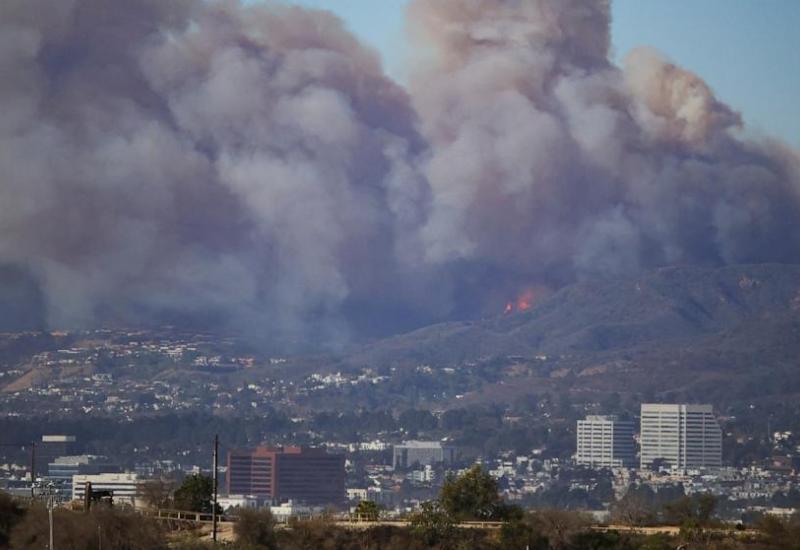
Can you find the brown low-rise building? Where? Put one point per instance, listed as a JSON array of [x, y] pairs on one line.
[[279, 474]]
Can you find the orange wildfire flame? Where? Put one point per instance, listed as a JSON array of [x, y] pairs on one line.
[[523, 302]]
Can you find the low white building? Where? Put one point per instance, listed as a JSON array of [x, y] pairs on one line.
[[239, 501], [124, 487], [357, 494], [283, 512], [426, 475]]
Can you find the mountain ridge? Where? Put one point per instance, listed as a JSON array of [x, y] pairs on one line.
[[681, 306]]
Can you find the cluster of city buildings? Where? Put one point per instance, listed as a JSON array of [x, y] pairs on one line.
[[290, 479], [672, 436], [316, 477], [671, 445]]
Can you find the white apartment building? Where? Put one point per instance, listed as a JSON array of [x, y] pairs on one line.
[[682, 436], [605, 442], [422, 453], [124, 487]]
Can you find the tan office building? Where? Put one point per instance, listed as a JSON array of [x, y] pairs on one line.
[[679, 436]]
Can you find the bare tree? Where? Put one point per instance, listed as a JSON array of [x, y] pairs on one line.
[[157, 493], [633, 509], [559, 526]]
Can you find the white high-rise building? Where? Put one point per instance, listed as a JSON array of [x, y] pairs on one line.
[[605, 442], [682, 436]]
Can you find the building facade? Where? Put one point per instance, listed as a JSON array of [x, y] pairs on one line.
[[63, 468], [301, 474], [52, 447], [679, 436], [605, 442], [124, 487], [422, 453]]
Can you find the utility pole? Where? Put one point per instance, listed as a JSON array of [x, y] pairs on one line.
[[33, 466], [50, 517], [51, 502], [214, 478], [87, 497]]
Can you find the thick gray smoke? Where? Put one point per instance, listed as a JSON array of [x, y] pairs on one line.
[[252, 167], [547, 160], [204, 161]]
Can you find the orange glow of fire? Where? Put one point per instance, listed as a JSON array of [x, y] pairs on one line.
[[524, 302]]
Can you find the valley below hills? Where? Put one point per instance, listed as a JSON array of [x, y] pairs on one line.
[[718, 335]]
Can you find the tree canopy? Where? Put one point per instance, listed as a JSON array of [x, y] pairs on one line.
[[255, 529], [473, 496], [368, 511], [195, 494]]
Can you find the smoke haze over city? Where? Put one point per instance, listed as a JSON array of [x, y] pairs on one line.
[[252, 168]]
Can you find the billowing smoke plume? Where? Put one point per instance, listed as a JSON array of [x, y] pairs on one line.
[[203, 160], [547, 160], [252, 167]]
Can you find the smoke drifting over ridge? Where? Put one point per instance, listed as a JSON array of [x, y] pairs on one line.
[[253, 168]]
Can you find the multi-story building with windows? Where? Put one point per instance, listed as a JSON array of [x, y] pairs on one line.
[[605, 442], [422, 453], [50, 448], [124, 487], [680, 436], [301, 474], [64, 467]]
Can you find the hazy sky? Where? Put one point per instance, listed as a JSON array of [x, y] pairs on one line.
[[747, 50]]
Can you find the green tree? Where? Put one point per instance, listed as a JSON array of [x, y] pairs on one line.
[[473, 496], [195, 494], [693, 514], [255, 529], [696, 510], [659, 541], [11, 513], [520, 533], [433, 523], [368, 511], [414, 420]]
